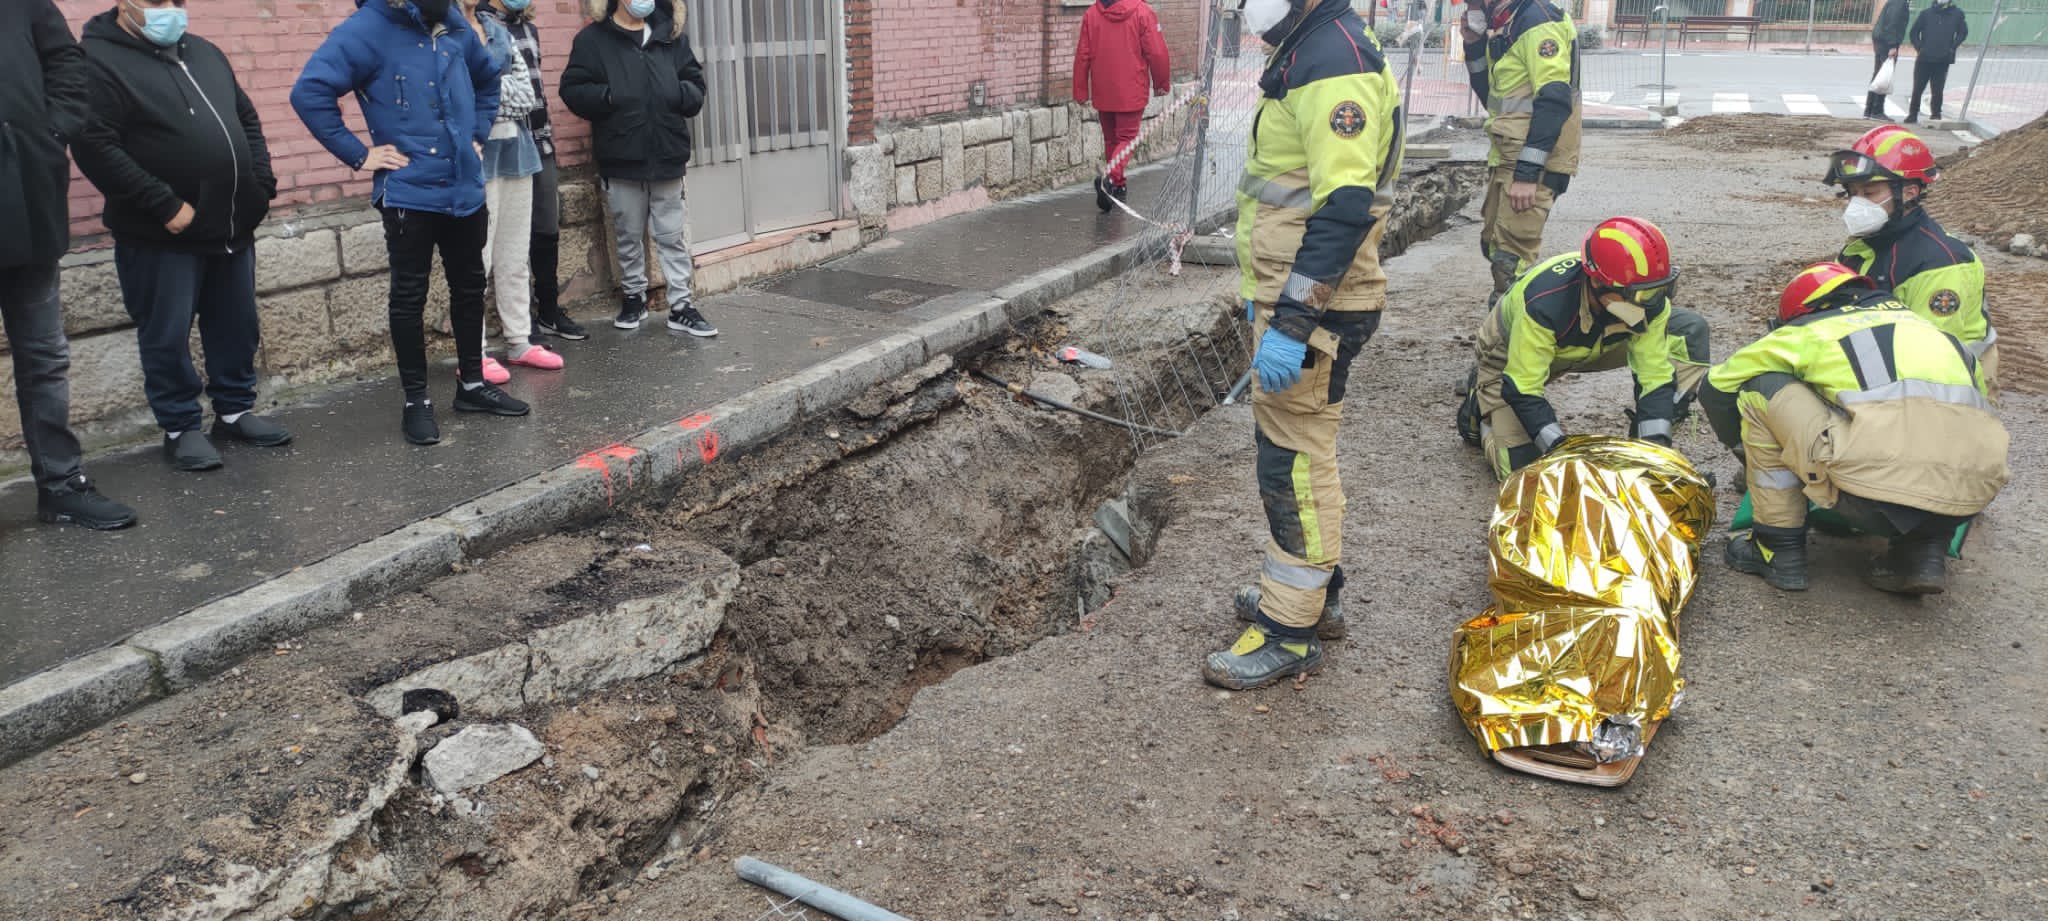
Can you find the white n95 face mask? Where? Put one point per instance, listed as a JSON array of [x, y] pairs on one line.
[[1864, 217], [1262, 15]]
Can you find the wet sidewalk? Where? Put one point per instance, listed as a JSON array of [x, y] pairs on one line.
[[349, 477]]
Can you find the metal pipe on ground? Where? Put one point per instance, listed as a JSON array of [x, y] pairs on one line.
[[815, 894]]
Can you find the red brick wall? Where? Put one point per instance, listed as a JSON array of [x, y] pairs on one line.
[[268, 42], [928, 52], [860, 71]]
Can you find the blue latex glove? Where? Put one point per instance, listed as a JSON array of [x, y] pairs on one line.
[[1251, 313], [1278, 361]]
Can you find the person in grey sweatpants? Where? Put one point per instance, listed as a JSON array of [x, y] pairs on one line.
[[632, 74]]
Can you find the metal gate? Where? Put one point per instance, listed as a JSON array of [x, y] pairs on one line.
[[767, 155]]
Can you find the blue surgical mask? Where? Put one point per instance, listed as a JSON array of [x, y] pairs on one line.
[[640, 9], [162, 27], [517, 6]]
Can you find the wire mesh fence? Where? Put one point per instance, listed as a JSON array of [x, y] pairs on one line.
[[2003, 69]]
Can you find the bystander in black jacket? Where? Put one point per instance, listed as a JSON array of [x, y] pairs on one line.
[[638, 92], [42, 106], [172, 127], [1940, 30]]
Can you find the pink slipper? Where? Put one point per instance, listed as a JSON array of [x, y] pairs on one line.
[[495, 373], [538, 357]]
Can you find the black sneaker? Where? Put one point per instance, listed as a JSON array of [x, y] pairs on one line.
[[1102, 194], [487, 398], [420, 427], [191, 452], [77, 502], [631, 312], [687, 319], [559, 325], [249, 428], [1120, 192]]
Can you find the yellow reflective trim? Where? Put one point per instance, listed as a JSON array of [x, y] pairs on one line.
[[1890, 140], [1249, 642], [1635, 250], [1305, 506]]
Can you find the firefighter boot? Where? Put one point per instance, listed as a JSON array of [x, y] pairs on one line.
[[1329, 627], [1505, 267], [1777, 554], [1468, 419], [1259, 658], [1911, 566], [1471, 378]]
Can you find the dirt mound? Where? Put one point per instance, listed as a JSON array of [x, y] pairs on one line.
[[2015, 299], [1997, 189], [1738, 133]]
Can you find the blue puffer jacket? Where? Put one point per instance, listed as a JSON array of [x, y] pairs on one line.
[[430, 92]]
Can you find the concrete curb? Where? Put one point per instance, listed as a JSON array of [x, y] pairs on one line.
[[67, 699]]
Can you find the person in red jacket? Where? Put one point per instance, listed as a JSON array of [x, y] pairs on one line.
[[1121, 54]]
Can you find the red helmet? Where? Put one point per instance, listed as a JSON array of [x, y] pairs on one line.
[[1811, 287], [1630, 254], [1887, 153]]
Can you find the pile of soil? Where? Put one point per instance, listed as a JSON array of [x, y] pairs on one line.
[[1997, 189], [1758, 131], [2015, 299]]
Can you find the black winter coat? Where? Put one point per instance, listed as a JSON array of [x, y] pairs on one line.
[[42, 105], [638, 99], [1891, 24], [172, 127], [1938, 32]]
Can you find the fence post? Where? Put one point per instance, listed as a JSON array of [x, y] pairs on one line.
[[1214, 50], [1976, 70], [1809, 26], [1663, 54]]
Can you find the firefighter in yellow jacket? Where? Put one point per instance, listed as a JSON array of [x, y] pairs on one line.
[[1884, 178], [1604, 307], [1318, 181], [1523, 57], [1859, 405]]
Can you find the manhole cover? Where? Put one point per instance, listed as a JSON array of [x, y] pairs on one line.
[[857, 290]]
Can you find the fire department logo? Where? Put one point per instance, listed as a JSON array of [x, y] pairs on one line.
[[1548, 49], [1945, 303], [1347, 119]]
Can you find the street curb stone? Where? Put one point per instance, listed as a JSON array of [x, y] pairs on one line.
[[212, 637], [52, 705]]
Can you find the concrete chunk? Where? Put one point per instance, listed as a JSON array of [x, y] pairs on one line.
[[479, 755]]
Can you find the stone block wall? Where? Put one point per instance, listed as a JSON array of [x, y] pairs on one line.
[[915, 173]]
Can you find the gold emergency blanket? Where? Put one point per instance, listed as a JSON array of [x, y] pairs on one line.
[[1594, 550]]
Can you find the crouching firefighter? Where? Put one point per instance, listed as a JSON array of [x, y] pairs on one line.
[[1523, 56], [1859, 405], [1884, 177], [1605, 307], [1318, 181]]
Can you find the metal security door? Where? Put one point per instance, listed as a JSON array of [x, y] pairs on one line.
[[767, 155]]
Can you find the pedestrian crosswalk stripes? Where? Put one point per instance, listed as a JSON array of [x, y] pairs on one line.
[[1805, 104], [1730, 103]]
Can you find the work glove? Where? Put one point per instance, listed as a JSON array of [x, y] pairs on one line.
[[1251, 312], [1278, 361]]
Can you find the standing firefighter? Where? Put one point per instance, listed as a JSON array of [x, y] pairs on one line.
[[1605, 307], [1884, 177], [1524, 60], [1856, 403], [1318, 179]]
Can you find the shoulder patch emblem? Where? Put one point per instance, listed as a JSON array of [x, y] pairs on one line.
[[1347, 119], [1945, 303], [1548, 49]]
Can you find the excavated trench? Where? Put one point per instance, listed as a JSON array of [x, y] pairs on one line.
[[934, 523]]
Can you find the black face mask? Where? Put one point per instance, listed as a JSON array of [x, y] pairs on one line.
[[433, 11]]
